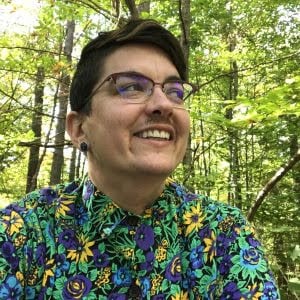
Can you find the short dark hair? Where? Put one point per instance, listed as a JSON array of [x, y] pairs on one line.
[[90, 66]]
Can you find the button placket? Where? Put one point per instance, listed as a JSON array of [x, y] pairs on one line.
[[132, 220]]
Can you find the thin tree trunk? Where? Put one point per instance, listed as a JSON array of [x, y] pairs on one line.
[[36, 127], [135, 10], [271, 184], [134, 13], [58, 156], [234, 176], [185, 22], [72, 165]]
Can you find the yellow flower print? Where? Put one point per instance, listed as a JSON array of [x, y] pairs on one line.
[[161, 254], [226, 224], [63, 206], [128, 253], [81, 253], [32, 277], [13, 223], [107, 210], [103, 277], [169, 180], [181, 296], [165, 243], [148, 213], [20, 277], [20, 240], [156, 283], [254, 293], [193, 219], [2, 274], [48, 271], [210, 248]]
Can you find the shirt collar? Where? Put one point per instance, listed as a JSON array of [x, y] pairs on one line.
[[105, 215]]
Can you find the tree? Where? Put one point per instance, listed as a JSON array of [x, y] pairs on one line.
[[244, 121], [58, 156], [33, 166]]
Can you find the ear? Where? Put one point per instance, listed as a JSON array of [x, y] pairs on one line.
[[74, 122]]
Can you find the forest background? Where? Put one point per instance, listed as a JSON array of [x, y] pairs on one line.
[[244, 140]]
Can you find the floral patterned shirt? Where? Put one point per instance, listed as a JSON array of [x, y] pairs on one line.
[[73, 242]]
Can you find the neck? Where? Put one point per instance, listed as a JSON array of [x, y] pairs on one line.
[[133, 194]]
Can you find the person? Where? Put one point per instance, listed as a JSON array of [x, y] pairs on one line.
[[126, 230]]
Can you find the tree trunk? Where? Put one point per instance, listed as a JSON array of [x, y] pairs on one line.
[[73, 165], [185, 22], [135, 10], [58, 156], [234, 195], [36, 126]]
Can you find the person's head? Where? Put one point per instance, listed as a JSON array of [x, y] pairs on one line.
[[90, 66], [126, 100]]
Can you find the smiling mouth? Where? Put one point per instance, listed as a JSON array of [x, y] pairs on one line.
[[156, 134]]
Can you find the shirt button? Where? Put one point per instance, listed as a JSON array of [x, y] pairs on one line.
[[134, 292], [132, 220]]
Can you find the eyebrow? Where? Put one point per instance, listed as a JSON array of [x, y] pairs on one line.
[[169, 78]]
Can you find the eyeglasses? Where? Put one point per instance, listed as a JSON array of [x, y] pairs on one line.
[[134, 87]]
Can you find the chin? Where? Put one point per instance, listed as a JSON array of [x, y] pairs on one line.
[[159, 169]]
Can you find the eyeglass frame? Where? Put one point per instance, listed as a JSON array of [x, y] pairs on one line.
[[114, 75]]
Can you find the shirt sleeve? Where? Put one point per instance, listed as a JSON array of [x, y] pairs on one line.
[[243, 268], [224, 256], [12, 254]]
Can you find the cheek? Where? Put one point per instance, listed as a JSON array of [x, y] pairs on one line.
[[185, 126]]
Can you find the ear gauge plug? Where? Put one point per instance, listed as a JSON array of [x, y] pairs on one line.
[[83, 147]]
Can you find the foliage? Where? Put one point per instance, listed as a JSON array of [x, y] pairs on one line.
[[245, 119]]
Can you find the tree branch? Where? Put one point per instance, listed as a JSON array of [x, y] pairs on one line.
[[271, 183], [250, 68], [44, 145], [132, 8]]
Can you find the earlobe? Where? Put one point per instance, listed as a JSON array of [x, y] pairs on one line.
[[74, 122]]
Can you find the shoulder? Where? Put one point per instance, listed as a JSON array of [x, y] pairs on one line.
[[201, 216], [210, 208], [34, 208]]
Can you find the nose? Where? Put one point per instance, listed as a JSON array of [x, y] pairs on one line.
[[158, 103]]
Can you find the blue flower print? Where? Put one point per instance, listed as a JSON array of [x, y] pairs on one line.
[[145, 285], [116, 296], [77, 287], [148, 264], [250, 258], [81, 215], [48, 195], [190, 280], [41, 254], [122, 277], [68, 239], [8, 252], [30, 293], [222, 244], [101, 259], [144, 237], [62, 264], [231, 292], [173, 270], [225, 265], [270, 291], [196, 257], [10, 289]]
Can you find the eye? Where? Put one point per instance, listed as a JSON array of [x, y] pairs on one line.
[[174, 91], [130, 86]]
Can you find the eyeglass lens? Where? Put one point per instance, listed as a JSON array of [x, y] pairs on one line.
[[136, 88]]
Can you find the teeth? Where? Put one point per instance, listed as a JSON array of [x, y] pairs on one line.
[[155, 134]]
